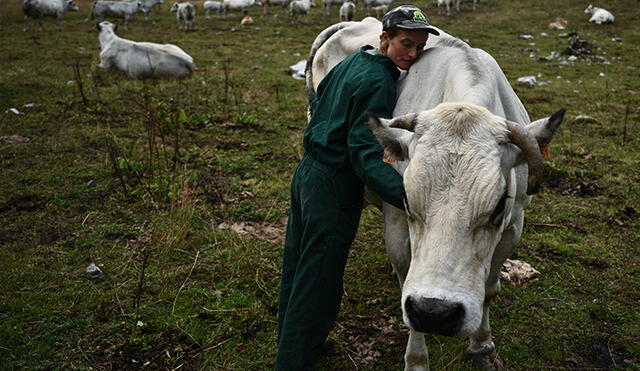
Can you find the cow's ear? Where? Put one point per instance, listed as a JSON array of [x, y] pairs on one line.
[[115, 27], [407, 122], [544, 129], [393, 141], [98, 27]]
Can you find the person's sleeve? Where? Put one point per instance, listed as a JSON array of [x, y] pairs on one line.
[[365, 153]]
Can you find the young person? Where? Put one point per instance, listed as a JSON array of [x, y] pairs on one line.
[[341, 157]]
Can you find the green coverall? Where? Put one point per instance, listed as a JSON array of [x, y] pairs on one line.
[[341, 156]]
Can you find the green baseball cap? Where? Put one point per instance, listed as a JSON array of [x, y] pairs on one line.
[[408, 17]]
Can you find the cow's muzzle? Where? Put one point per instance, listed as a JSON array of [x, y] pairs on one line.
[[434, 316]]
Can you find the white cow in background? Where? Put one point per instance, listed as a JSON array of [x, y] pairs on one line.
[[469, 167], [347, 11], [368, 4], [299, 7], [117, 9], [185, 14], [141, 59], [148, 5], [211, 5], [243, 5], [37, 9], [449, 3], [599, 15], [380, 10]]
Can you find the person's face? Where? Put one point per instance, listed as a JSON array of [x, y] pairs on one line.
[[403, 48]]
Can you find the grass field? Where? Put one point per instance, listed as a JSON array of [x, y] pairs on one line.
[[153, 180]]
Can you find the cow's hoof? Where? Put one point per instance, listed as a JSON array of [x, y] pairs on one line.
[[486, 359]]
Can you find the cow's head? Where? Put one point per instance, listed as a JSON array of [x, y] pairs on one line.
[[106, 27], [466, 182], [72, 6], [174, 8]]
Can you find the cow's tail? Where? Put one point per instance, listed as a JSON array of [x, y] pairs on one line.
[[317, 43]]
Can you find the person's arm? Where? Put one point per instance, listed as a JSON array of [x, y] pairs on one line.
[[365, 153]]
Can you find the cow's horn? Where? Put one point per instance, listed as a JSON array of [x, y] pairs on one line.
[[407, 122], [527, 143]]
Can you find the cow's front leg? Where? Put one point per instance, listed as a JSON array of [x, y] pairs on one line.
[[105, 62], [416, 356], [482, 350]]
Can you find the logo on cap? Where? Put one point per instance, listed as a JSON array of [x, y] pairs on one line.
[[419, 17]]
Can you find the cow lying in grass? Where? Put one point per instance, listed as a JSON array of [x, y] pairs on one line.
[[470, 159], [141, 59], [599, 15], [37, 9]]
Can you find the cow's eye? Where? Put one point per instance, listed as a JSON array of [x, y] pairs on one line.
[[499, 209]]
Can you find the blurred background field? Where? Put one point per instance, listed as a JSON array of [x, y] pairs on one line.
[[178, 191]]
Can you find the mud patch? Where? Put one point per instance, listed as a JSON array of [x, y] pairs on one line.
[[209, 186], [622, 217], [6, 236], [569, 184], [370, 340], [276, 157], [601, 351], [28, 202], [231, 144]]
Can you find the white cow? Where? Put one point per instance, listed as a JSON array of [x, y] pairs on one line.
[[380, 10], [37, 9], [368, 4], [117, 9], [243, 5], [210, 5], [185, 15], [299, 7], [599, 15], [141, 59], [347, 11], [449, 3], [148, 5], [469, 167]]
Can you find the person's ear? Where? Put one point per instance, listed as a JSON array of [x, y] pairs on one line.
[[384, 41]]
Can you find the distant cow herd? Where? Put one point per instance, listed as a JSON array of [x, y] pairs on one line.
[[166, 60]]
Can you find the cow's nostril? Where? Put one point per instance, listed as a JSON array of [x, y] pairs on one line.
[[434, 316]]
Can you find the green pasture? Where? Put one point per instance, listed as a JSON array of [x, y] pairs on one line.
[[179, 191]]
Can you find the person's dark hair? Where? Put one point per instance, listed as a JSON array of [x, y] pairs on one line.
[[393, 31]]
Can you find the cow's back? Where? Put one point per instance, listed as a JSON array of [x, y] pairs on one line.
[[451, 71]]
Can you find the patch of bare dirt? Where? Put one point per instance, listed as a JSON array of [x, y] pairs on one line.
[[622, 217], [208, 186], [570, 185], [272, 232], [276, 156], [13, 139], [369, 340], [231, 144], [26, 202]]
